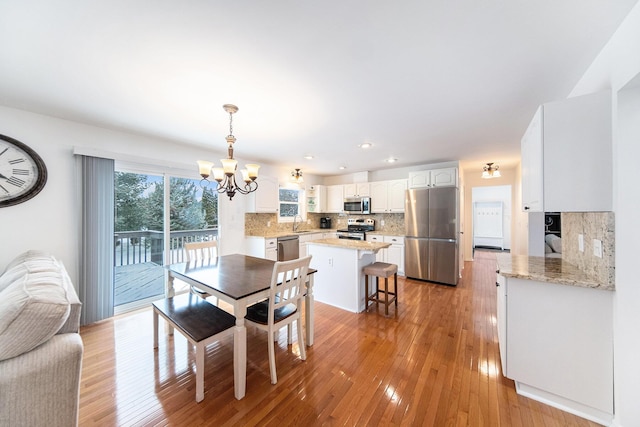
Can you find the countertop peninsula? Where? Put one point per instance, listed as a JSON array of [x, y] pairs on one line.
[[275, 234], [351, 244], [543, 269]]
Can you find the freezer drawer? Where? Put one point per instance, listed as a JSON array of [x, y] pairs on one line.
[[443, 261], [416, 256]]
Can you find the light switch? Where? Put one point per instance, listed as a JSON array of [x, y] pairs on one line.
[[581, 242], [597, 248]]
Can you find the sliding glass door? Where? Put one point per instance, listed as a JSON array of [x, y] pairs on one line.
[[155, 215]]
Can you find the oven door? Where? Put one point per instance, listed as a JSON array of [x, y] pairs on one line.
[[351, 235]]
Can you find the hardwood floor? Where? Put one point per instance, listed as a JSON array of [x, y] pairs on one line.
[[435, 363]]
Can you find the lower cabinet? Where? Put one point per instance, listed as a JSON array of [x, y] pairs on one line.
[[556, 343], [394, 254], [262, 247]]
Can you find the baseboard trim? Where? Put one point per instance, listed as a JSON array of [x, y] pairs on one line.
[[567, 405]]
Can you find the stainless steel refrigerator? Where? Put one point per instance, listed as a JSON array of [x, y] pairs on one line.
[[431, 229]]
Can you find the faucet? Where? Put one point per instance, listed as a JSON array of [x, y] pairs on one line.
[[295, 226]]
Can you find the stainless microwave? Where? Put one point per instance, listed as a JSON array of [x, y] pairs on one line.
[[357, 205]]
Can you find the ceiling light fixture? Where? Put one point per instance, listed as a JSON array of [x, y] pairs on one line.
[[391, 160], [308, 157], [490, 171], [226, 175], [342, 167], [296, 176], [365, 145]]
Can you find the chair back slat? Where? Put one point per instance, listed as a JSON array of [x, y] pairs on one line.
[[287, 283], [201, 250]]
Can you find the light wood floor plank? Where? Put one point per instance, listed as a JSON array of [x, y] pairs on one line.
[[435, 362]]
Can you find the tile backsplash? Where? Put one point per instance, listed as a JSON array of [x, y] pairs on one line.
[[259, 224], [592, 225]]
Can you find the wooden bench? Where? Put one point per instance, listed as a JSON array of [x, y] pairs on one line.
[[199, 321]]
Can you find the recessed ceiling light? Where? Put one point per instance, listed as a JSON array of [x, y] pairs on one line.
[[342, 167], [391, 160], [308, 157], [365, 145]]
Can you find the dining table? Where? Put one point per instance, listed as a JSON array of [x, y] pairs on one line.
[[241, 281]]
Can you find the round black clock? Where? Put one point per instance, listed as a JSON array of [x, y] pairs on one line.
[[22, 172]]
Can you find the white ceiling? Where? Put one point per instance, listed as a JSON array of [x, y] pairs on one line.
[[425, 81]]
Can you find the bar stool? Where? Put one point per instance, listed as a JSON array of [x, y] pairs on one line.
[[385, 270]]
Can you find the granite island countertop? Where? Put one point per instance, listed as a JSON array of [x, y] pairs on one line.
[[543, 269], [275, 234], [360, 245]]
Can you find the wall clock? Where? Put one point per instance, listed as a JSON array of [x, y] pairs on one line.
[[22, 172]]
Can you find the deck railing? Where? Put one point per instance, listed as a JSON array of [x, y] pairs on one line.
[[135, 247]]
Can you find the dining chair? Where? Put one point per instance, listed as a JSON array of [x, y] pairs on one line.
[[200, 252], [282, 307]]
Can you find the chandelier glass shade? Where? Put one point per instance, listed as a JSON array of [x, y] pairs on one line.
[[296, 176], [225, 176], [490, 171]]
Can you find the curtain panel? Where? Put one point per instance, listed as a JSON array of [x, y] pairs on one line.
[[96, 287]]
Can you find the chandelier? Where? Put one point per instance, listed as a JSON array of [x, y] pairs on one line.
[[226, 175], [296, 176], [490, 171]]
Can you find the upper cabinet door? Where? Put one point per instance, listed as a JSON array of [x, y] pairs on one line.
[[265, 198], [567, 159], [531, 152], [447, 177]]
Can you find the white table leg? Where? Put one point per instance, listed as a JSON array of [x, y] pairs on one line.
[[240, 351], [308, 307]]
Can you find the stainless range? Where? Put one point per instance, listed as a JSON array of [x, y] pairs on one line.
[[356, 229]]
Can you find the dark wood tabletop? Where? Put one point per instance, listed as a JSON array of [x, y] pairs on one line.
[[237, 276]]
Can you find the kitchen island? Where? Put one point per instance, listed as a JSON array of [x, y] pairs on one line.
[[339, 281], [555, 334]]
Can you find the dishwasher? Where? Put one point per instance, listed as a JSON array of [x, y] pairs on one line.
[[288, 248]]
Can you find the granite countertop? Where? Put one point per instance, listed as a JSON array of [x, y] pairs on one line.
[[385, 233], [275, 234], [543, 269], [351, 244]]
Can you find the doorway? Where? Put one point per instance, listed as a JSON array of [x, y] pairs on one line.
[[491, 217]]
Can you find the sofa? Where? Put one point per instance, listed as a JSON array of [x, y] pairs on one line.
[[40, 347]]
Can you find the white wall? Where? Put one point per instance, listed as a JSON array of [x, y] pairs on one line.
[[617, 67], [51, 220]]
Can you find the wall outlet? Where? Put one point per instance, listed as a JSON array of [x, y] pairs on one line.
[[382, 223], [581, 242], [308, 221], [597, 248], [268, 223]]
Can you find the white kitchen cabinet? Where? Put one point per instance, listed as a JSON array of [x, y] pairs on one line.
[[329, 235], [262, 247], [265, 198], [335, 198], [360, 189], [303, 238], [501, 319], [380, 255], [394, 254], [388, 196], [542, 328], [567, 156], [444, 177], [316, 198]]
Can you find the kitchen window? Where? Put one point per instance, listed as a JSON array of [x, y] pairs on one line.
[[290, 204]]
